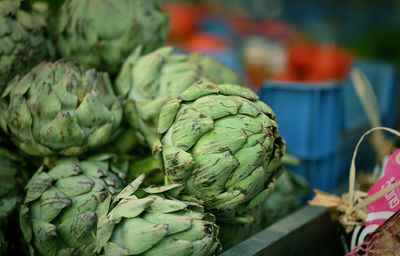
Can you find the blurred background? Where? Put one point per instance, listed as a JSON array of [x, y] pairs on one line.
[[297, 54], [287, 39]]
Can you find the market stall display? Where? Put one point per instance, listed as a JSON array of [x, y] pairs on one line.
[[147, 127]]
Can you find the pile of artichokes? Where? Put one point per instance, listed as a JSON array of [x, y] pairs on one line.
[[113, 144]]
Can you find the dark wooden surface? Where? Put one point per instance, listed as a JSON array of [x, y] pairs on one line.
[[308, 231]]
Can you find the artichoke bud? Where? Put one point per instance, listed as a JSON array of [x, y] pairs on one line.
[[65, 202], [222, 145], [150, 81], [148, 221], [23, 41], [86, 37], [60, 109]]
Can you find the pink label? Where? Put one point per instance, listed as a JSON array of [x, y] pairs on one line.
[[390, 202]]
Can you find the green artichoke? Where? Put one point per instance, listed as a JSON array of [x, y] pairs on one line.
[[13, 177], [222, 144], [101, 33], [22, 41], [150, 81], [63, 204], [58, 108], [214, 70], [149, 222]]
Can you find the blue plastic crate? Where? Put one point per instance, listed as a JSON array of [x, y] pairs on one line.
[[322, 173], [309, 115], [383, 78]]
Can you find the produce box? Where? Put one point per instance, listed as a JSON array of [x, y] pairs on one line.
[[308, 231], [308, 115]]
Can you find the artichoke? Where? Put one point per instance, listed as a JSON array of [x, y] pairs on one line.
[[101, 33], [214, 70], [150, 81], [222, 144], [22, 41], [13, 177], [63, 204], [149, 222], [58, 108]]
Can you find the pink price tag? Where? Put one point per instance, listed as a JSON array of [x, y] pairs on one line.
[[390, 202]]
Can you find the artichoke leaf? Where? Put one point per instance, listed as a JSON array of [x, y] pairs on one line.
[[251, 185], [177, 77], [247, 107], [130, 189], [178, 163], [18, 118], [175, 223], [130, 208], [61, 132], [65, 167], [111, 249], [199, 89], [216, 106], [219, 140], [160, 189], [92, 107], [79, 231], [171, 247], [210, 174], [75, 185], [262, 195], [144, 74], [80, 204], [237, 90], [167, 115], [189, 127], [265, 109], [45, 237], [226, 201], [137, 235], [44, 106], [25, 223], [202, 246], [249, 159], [51, 203], [123, 82], [37, 186], [197, 231], [247, 123]]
